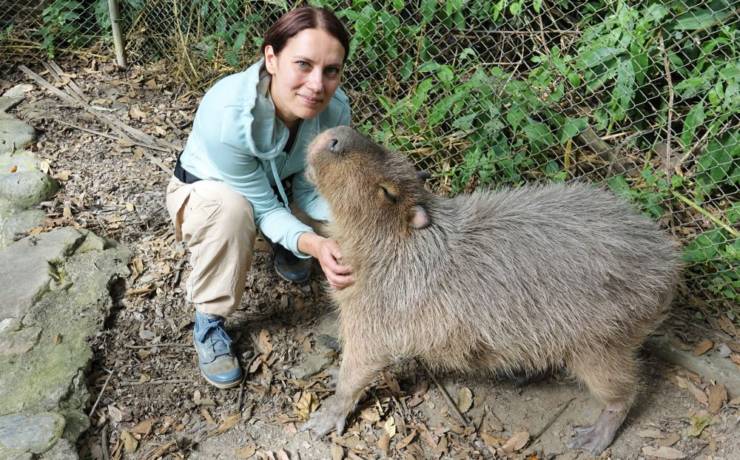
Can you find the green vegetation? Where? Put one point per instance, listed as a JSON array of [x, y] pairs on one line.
[[642, 96]]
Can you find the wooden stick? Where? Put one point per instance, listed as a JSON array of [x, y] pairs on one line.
[[155, 382], [115, 19], [102, 390], [707, 214], [669, 130], [447, 397]]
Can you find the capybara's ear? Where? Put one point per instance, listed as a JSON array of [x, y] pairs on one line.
[[419, 217], [389, 191]]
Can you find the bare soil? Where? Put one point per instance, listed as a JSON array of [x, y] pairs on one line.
[[148, 400]]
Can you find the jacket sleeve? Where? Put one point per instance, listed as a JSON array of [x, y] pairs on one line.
[[244, 174], [305, 194]]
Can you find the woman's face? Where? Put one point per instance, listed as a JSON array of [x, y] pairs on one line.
[[304, 75]]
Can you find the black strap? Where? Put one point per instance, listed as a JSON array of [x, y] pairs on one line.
[[183, 175]]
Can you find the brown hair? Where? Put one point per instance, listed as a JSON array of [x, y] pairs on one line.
[[299, 19]]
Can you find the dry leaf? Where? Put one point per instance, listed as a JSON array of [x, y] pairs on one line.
[[370, 414], [698, 423], [337, 453], [734, 346], [129, 207], [129, 442], [491, 440], [405, 441], [516, 442], [62, 175], [717, 397], [735, 358], [391, 382], [670, 440], [263, 342], [143, 428], [255, 365], [306, 405], [464, 399], [703, 347], [13, 169], [663, 452], [246, 451], [384, 443], [697, 393], [390, 426], [136, 113], [228, 423], [726, 325], [281, 455]]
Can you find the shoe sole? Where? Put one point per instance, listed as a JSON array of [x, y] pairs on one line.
[[222, 386]]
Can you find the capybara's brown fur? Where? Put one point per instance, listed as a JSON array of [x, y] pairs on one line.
[[528, 279]]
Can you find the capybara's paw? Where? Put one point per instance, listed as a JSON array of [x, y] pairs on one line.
[[590, 439], [325, 420]]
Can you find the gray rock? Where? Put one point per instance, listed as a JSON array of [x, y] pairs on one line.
[[34, 433], [14, 221], [27, 188], [16, 92], [21, 161], [18, 342], [312, 364], [25, 268], [14, 134], [62, 450]]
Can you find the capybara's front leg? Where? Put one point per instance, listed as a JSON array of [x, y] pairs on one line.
[[355, 373]]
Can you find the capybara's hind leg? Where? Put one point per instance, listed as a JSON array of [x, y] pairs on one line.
[[612, 378], [355, 373]]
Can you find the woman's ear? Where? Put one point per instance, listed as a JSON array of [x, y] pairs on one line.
[[270, 60], [419, 218]]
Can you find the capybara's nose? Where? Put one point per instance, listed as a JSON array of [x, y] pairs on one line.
[[333, 145]]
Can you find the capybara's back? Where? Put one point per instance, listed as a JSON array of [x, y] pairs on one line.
[[523, 279]]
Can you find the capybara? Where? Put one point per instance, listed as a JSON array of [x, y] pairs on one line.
[[527, 279]]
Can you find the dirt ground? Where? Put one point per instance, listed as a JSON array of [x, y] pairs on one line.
[[148, 400]]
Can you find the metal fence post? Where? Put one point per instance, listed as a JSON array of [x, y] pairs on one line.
[[117, 37]]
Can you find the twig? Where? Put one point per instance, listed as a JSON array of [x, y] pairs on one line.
[[155, 382], [697, 145], [447, 397], [241, 395], [707, 214], [164, 345], [100, 395], [132, 134], [669, 130], [555, 416], [178, 272], [104, 442]]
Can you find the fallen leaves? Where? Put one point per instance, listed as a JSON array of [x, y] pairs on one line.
[[698, 424], [464, 399], [717, 397], [516, 442], [306, 405], [703, 347]]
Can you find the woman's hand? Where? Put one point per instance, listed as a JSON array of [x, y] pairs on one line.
[[327, 252]]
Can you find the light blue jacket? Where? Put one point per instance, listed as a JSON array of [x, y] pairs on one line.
[[237, 139]]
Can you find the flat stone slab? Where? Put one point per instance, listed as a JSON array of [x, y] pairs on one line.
[[34, 433], [27, 188], [16, 340], [25, 268], [14, 134], [15, 221]]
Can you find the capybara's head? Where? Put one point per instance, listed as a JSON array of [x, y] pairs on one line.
[[366, 183]]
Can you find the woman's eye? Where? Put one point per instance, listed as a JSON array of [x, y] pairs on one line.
[[303, 65], [331, 72]]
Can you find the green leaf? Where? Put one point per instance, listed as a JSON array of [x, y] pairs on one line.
[[692, 86], [538, 133], [593, 57], [701, 19], [572, 127], [705, 247], [694, 118]]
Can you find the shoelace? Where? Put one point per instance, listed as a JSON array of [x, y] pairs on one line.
[[211, 330]]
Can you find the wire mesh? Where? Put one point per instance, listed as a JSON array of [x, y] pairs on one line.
[[643, 96]]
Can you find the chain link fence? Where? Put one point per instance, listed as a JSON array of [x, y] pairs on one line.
[[643, 96]]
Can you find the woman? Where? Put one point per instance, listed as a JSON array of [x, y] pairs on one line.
[[249, 135]]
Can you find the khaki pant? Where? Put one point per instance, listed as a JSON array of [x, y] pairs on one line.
[[217, 224]]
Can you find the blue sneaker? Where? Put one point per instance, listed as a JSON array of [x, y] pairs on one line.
[[216, 360]]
